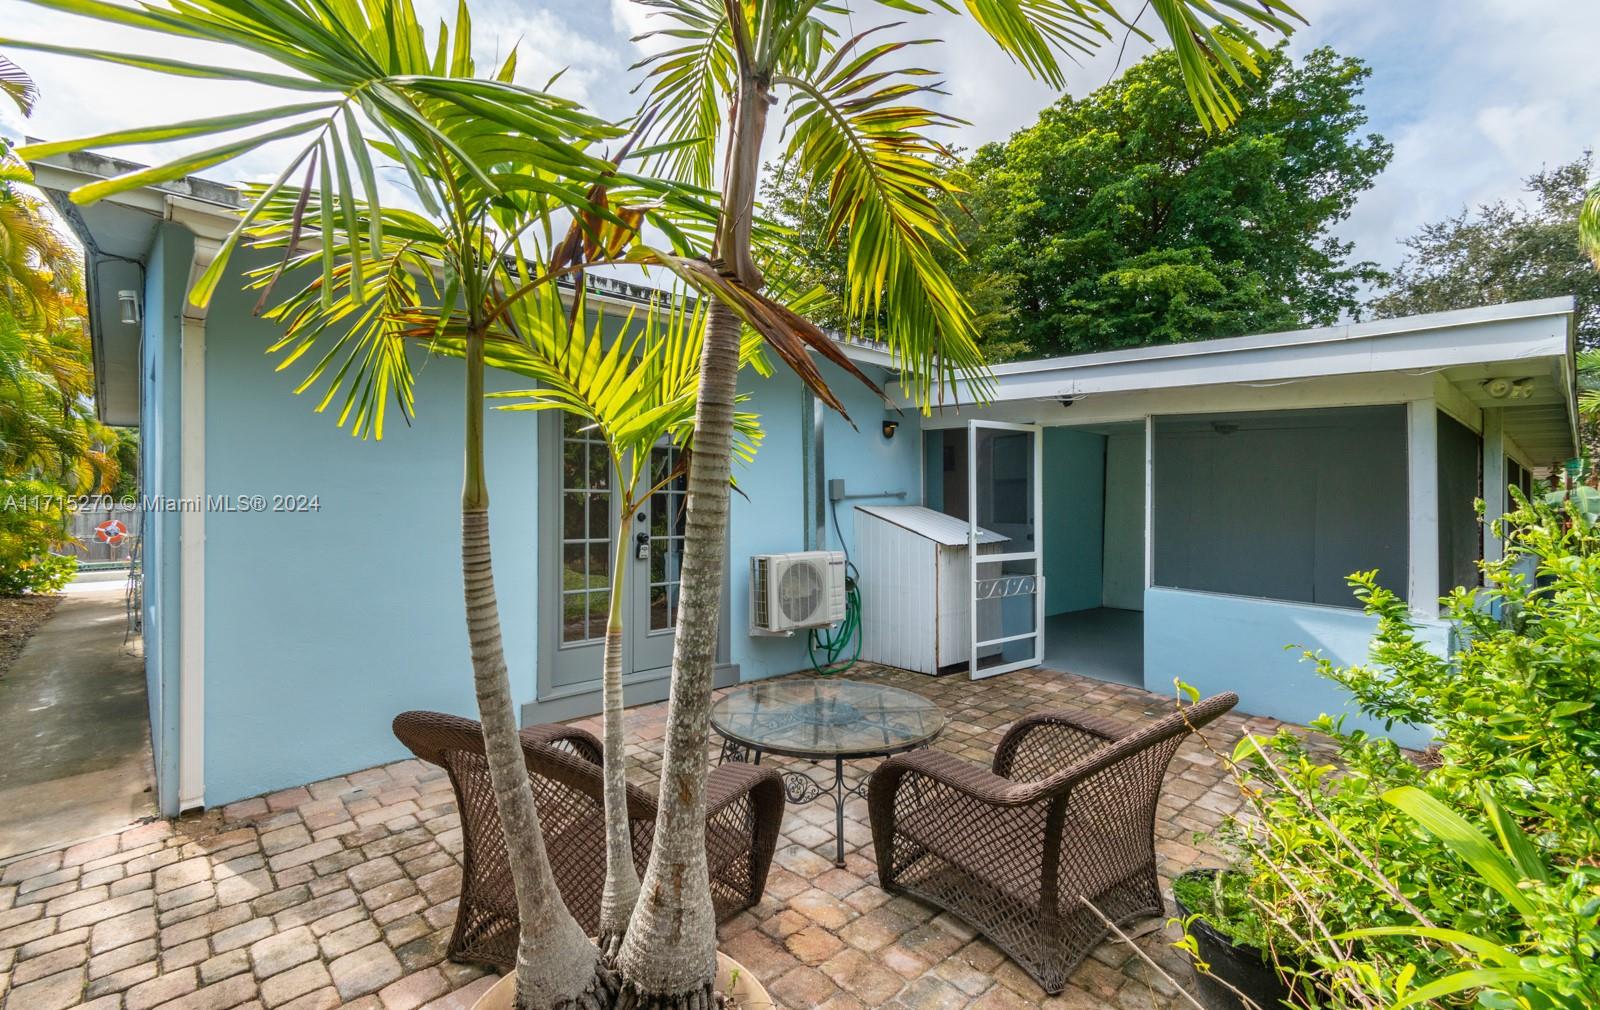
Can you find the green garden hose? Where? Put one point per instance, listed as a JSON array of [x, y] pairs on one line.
[[833, 642]]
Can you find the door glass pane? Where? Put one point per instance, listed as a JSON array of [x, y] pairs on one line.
[[585, 532], [1004, 476], [666, 539]]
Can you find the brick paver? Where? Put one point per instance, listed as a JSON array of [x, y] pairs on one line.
[[342, 892]]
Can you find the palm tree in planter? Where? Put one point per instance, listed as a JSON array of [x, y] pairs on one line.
[[636, 391], [856, 132]]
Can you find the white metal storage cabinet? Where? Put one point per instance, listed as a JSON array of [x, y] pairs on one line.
[[916, 586]]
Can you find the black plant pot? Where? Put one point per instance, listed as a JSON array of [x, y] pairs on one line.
[[1245, 968]]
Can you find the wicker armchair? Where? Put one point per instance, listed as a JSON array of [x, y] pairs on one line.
[[744, 807], [1067, 812]]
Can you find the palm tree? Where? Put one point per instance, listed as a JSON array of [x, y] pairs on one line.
[[638, 395], [853, 126], [47, 427]]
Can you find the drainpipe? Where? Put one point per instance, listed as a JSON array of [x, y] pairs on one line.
[[814, 494], [202, 223]]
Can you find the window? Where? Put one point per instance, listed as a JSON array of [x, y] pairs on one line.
[[585, 533], [1281, 505]]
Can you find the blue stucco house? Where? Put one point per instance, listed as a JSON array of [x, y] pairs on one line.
[[1181, 511]]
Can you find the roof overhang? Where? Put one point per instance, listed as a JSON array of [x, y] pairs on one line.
[[117, 234], [1531, 343]]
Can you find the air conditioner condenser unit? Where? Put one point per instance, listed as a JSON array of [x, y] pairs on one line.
[[795, 591]]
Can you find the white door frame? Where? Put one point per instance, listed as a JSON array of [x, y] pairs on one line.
[[1034, 554]]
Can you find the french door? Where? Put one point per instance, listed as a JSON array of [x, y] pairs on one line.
[[583, 542], [1004, 497]]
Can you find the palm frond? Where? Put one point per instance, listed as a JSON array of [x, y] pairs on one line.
[[16, 85], [384, 92], [689, 83], [858, 136]]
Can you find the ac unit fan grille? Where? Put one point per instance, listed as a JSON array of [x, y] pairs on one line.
[[800, 592]]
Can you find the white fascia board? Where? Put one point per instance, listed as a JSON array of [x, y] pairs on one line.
[[64, 180], [1440, 340]]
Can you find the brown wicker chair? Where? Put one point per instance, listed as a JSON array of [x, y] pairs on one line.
[[1067, 812], [744, 805]]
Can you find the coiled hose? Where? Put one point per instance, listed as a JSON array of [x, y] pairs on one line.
[[833, 642]]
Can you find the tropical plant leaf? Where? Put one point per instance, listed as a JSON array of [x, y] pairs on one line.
[[1465, 840]]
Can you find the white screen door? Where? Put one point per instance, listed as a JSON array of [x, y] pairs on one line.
[[1004, 504]]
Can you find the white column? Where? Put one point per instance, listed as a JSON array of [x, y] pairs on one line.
[[1422, 489], [1494, 480]]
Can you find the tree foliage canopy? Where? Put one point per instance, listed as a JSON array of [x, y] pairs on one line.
[[1504, 252]]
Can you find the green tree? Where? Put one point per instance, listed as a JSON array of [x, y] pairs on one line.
[[1120, 219], [1125, 222], [1504, 252]]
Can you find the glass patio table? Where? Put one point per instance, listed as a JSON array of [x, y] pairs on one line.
[[823, 721]]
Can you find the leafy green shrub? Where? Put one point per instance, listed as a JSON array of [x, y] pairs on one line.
[[1351, 862], [32, 522]]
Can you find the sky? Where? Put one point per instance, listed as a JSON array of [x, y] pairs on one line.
[[1474, 94]]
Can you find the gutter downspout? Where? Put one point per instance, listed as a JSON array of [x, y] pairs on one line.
[[814, 496], [208, 237]]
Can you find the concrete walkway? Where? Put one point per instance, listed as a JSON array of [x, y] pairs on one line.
[[74, 729]]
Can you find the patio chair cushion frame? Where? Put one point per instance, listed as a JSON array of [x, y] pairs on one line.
[[744, 810]]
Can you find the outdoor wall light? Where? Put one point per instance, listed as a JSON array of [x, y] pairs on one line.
[[890, 426], [129, 301]]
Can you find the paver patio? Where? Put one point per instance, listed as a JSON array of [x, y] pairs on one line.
[[342, 893]]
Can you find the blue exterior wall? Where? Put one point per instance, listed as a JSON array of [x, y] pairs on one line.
[[1073, 524], [166, 272], [321, 626], [1254, 648], [773, 519]]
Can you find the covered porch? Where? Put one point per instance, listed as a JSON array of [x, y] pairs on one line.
[[1192, 510]]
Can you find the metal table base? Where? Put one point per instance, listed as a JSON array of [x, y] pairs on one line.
[[801, 787]]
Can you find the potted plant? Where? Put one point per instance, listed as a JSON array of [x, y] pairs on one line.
[[1229, 939]]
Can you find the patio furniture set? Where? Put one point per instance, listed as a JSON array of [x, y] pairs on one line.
[[1038, 852]]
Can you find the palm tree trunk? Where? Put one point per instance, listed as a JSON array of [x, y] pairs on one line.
[[621, 890], [669, 957], [669, 954], [556, 965]]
